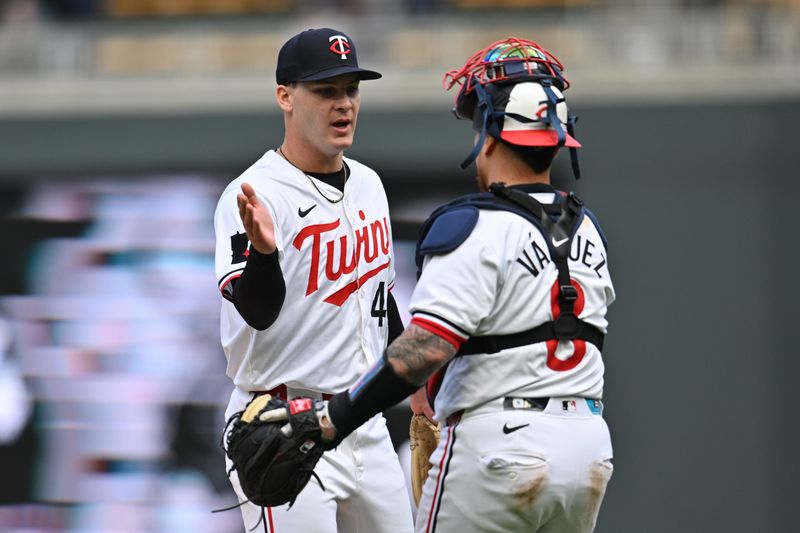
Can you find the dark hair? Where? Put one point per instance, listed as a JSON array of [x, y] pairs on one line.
[[538, 158]]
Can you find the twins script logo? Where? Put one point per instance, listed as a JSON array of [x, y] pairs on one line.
[[341, 259], [339, 45]]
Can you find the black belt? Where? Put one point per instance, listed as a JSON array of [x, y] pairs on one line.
[[281, 392], [509, 402], [531, 404]]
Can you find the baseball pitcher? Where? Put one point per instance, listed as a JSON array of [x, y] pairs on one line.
[[305, 264]]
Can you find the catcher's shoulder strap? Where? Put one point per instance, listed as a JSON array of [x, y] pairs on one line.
[[450, 225]]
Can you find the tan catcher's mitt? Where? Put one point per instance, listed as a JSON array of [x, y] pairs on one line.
[[424, 437]]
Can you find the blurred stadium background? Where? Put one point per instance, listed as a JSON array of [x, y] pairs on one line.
[[122, 120]]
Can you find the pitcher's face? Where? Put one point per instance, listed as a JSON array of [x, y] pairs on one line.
[[324, 113]]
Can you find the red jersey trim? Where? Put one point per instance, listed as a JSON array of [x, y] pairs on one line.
[[228, 278], [338, 298], [439, 331]]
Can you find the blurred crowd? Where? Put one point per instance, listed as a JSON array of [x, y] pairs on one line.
[[83, 9], [112, 377], [219, 37], [115, 342]]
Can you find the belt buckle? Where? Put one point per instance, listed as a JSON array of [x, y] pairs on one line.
[[529, 404]]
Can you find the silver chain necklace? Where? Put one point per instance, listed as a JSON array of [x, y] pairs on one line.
[[311, 179]]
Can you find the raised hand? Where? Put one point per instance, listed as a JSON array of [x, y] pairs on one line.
[[257, 220]]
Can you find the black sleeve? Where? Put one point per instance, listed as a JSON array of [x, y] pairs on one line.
[[396, 326], [259, 292], [377, 390]]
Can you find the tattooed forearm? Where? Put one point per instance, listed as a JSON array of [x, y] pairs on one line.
[[418, 353]]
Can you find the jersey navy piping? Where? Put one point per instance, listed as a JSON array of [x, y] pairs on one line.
[[438, 502], [437, 317], [220, 280]]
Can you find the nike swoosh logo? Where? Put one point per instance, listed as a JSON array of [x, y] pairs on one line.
[[508, 430], [558, 243], [307, 211]]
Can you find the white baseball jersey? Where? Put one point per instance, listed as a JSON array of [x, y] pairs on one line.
[[502, 280], [337, 261]]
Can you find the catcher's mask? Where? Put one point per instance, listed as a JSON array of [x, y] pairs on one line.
[[512, 90]]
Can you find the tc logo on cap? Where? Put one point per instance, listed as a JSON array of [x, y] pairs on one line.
[[339, 45]]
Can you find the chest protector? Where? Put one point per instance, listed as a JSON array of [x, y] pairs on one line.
[[450, 225]]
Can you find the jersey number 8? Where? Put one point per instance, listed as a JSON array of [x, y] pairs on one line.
[[561, 363]]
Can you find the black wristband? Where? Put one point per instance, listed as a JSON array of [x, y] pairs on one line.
[[260, 291], [378, 390], [262, 261]]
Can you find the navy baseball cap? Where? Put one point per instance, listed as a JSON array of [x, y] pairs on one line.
[[318, 54]]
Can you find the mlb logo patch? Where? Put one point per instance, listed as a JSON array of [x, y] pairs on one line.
[[569, 405]]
